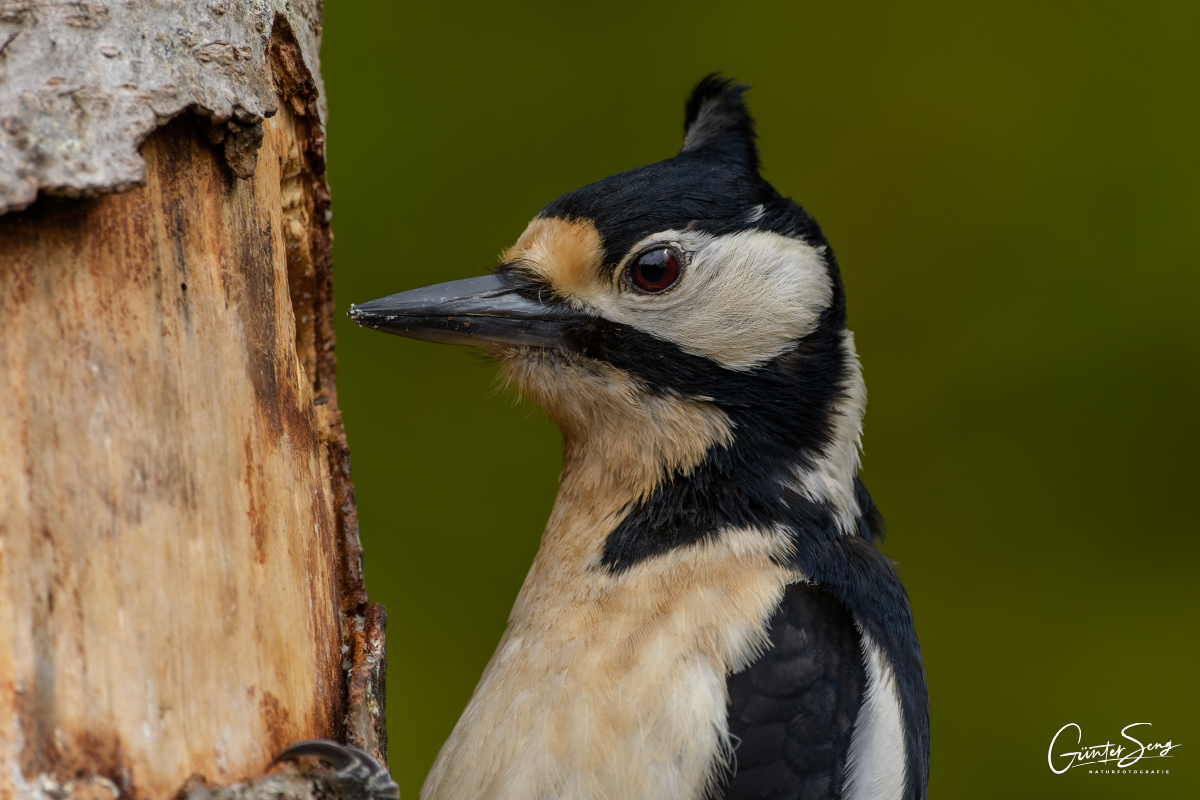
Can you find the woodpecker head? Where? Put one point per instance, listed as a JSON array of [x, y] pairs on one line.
[[679, 320]]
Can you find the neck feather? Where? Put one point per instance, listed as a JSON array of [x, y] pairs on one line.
[[647, 471]]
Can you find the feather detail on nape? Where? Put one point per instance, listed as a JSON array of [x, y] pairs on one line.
[[718, 125]]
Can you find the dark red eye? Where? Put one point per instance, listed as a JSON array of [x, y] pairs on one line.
[[655, 271]]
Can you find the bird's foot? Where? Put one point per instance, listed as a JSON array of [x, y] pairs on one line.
[[355, 773]]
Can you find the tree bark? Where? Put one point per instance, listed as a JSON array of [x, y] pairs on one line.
[[181, 593]]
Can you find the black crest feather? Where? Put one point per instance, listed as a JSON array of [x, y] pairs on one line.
[[717, 124]]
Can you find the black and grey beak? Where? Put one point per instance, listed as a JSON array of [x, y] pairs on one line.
[[500, 308]]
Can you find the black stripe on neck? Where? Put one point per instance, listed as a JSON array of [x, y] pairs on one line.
[[782, 415]]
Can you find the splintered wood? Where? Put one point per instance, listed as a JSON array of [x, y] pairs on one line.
[[173, 559]]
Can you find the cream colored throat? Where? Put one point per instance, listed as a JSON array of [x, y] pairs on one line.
[[613, 686], [620, 441]]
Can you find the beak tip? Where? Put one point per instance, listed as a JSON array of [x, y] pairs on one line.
[[474, 311]]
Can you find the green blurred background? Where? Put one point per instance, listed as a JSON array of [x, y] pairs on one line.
[[1013, 191]]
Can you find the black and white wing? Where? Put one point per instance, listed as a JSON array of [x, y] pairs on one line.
[[793, 711]]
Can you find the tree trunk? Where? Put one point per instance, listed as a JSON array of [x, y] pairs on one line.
[[180, 583]]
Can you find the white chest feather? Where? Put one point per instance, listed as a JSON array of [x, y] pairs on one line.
[[614, 686]]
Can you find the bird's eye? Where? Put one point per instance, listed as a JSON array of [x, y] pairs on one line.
[[655, 271]]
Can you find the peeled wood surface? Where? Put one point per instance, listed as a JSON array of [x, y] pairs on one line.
[[171, 568]]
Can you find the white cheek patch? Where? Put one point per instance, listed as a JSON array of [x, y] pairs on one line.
[[744, 298]]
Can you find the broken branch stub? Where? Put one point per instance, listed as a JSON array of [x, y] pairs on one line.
[[181, 588]]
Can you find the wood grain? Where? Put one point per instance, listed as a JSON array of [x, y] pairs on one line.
[[177, 543]]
